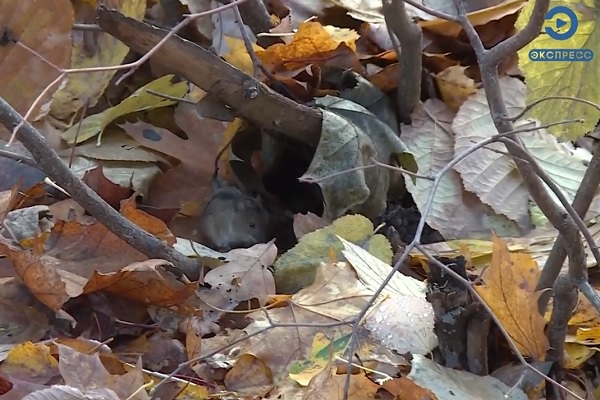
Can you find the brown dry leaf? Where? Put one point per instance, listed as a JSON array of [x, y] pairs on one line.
[[330, 385], [43, 27], [150, 224], [405, 388], [310, 42], [193, 342], [505, 292], [435, 62], [110, 192], [387, 78], [307, 223], [144, 282], [58, 265], [248, 373], [191, 179], [455, 87], [477, 18]]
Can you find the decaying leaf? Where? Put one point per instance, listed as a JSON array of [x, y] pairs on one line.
[[335, 295], [82, 256], [351, 135]]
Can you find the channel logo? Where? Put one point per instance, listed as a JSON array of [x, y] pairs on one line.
[[565, 17]]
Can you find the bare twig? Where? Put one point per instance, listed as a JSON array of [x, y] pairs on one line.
[[431, 11], [87, 27], [58, 171], [543, 99], [20, 158]]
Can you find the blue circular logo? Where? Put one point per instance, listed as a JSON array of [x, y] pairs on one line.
[[570, 14]]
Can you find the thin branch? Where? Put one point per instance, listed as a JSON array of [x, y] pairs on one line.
[[225, 82], [87, 27], [20, 158], [58, 171], [543, 99]]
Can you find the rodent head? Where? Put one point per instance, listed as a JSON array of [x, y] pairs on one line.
[[232, 219]]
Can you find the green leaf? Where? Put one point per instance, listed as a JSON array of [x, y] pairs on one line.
[[296, 268]]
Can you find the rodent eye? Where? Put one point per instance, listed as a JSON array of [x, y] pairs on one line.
[[251, 224]]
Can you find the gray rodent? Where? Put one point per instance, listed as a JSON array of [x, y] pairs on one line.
[[232, 219]]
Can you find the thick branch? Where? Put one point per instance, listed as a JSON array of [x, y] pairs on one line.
[[58, 171], [581, 204], [268, 109], [565, 300], [409, 56]]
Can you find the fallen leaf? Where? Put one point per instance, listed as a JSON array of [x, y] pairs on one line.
[[92, 50], [140, 100], [45, 29], [515, 307]]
